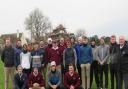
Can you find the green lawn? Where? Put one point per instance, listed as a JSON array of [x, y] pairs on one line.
[[2, 78]]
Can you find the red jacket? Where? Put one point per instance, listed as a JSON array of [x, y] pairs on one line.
[[72, 80], [36, 79], [54, 55]]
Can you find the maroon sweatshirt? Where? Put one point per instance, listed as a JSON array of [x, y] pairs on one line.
[[73, 80], [54, 55], [36, 79]]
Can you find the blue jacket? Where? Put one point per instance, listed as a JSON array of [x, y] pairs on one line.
[[86, 55], [77, 48], [17, 52]]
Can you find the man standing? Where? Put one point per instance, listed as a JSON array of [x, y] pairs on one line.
[[123, 63], [77, 48], [102, 57], [86, 57], [94, 65], [18, 50], [7, 57], [113, 61]]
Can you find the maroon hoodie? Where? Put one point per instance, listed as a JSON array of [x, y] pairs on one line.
[[73, 80], [36, 79], [54, 55]]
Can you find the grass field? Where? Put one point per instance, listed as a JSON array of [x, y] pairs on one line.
[[2, 78]]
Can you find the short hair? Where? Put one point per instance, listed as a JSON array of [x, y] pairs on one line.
[[85, 38], [36, 43], [19, 66], [113, 36], [72, 65]]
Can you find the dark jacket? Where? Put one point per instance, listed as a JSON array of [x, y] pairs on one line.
[[20, 81], [18, 50], [123, 59], [113, 53], [7, 56], [72, 80], [69, 56], [36, 79]]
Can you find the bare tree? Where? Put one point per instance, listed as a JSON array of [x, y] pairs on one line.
[[38, 24], [81, 32]]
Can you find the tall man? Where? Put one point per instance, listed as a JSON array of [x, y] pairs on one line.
[[113, 61], [102, 57], [94, 65], [7, 58], [86, 57], [123, 63]]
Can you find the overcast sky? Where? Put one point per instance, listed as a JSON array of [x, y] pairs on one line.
[[101, 17]]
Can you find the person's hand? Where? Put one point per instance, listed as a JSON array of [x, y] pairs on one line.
[[101, 62], [72, 87], [54, 86], [35, 85]]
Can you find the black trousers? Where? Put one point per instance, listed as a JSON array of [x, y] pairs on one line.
[[114, 75], [94, 71], [103, 69], [79, 71], [123, 77]]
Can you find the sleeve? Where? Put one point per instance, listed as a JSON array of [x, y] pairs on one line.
[[64, 58], [15, 57], [42, 84], [16, 81], [78, 81], [3, 56], [59, 74], [65, 82], [97, 54], [49, 77], [91, 55], [75, 56], [107, 55], [30, 81]]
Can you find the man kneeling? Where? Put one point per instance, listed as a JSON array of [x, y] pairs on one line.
[[36, 80], [54, 77], [72, 79]]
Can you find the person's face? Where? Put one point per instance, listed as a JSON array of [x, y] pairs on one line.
[[85, 41], [121, 40], [25, 47], [113, 40], [41, 44], [20, 69], [102, 41], [79, 41], [71, 69], [18, 43], [53, 68], [36, 46], [35, 70], [62, 40], [68, 44], [54, 44], [7, 42], [93, 43], [72, 40]]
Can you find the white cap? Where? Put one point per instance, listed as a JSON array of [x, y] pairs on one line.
[[53, 63], [49, 40]]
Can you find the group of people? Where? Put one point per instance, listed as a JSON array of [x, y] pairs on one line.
[[66, 64]]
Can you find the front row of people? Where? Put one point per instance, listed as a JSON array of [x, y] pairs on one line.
[[37, 81]]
